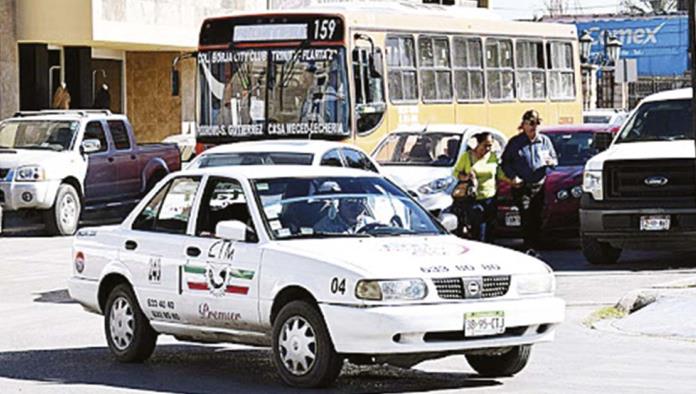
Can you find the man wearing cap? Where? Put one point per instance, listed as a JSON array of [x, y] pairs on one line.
[[526, 159]]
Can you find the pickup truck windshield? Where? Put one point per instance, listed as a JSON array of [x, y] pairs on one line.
[[38, 134], [340, 207], [273, 93], [422, 149], [252, 158], [659, 121]]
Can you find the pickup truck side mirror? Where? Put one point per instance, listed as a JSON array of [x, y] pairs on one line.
[[601, 140], [449, 221], [90, 146], [232, 230]]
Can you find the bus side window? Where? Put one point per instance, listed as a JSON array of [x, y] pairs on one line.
[[369, 88]]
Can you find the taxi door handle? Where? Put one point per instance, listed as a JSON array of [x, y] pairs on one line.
[[131, 245], [193, 251]]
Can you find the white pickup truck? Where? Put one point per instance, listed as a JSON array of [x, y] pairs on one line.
[[55, 164], [323, 264], [641, 192]]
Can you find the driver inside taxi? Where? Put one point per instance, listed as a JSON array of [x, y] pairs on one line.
[[342, 215]]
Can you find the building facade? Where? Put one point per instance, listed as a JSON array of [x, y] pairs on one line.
[[114, 54]]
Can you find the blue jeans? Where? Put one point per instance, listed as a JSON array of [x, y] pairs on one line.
[[481, 215]]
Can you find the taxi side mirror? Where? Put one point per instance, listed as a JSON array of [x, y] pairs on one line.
[[449, 221], [232, 230]]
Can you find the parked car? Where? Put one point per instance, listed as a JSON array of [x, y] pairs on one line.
[[288, 152], [640, 193], [55, 164], [313, 262], [615, 118], [421, 159], [574, 145]]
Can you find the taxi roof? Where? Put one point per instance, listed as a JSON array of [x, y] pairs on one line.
[[278, 171]]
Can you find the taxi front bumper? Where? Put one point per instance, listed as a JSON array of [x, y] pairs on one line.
[[439, 327]]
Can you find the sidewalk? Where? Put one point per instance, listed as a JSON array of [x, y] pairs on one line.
[[665, 310]]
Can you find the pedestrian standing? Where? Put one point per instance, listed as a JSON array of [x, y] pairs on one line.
[[526, 160], [480, 168]]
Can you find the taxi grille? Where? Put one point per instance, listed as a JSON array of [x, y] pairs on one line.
[[453, 288], [4, 172]]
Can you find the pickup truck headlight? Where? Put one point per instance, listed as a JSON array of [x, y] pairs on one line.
[[592, 183], [30, 174], [436, 186], [534, 284], [377, 290]]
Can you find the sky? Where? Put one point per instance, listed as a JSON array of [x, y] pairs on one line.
[[526, 9]]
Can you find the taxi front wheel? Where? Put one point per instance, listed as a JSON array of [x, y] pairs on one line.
[[503, 364], [130, 337], [302, 349]]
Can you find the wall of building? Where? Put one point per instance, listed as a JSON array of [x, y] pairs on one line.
[[9, 69], [152, 110]]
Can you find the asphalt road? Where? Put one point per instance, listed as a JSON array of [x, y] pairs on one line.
[[49, 345]]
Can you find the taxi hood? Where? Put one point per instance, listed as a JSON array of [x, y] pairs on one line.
[[412, 177], [414, 256]]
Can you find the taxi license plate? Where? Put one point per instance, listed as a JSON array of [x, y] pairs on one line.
[[655, 223], [477, 324], [512, 219]]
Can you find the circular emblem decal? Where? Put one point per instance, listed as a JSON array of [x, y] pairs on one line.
[[216, 276], [473, 287]]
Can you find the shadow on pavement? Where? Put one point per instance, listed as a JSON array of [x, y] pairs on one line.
[[206, 369], [55, 297]]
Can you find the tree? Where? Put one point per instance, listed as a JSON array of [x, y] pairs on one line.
[[642, 7]]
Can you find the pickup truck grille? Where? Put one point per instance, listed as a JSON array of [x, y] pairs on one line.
[[3, 173], [627, 179], [453, 288]]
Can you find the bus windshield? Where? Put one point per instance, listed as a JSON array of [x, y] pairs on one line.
[[255, 93]]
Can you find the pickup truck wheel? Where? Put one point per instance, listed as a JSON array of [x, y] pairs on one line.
[[64, 216], [599, 252], [128, 332], [504, 364], [302, 349]]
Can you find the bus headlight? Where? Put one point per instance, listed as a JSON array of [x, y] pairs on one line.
[[532, 284], [436, 186], [592, 183], [405, 289]]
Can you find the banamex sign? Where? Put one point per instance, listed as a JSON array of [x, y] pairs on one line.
[[659, 44]]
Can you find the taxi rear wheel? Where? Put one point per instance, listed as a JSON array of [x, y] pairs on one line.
[[303, 352], [504, 364], [128, 332]]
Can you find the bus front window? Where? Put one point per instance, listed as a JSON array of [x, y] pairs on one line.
[[279, 92]]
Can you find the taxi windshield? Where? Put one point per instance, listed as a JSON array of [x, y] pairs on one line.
[[340, 207], [429, 149]]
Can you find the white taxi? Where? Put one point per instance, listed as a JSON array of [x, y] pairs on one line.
[[322, 264]]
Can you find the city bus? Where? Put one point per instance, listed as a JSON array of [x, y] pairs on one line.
[[356, 71]]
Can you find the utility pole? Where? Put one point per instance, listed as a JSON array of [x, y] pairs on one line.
[[692, 59]]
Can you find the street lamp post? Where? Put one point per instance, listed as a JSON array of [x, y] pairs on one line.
[[605, 61]]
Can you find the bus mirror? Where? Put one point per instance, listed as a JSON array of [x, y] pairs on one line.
[[175, 82]]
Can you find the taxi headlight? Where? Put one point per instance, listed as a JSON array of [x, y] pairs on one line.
[[377, 290], [30, 174], [532, 284], [592, 183], [436, 186]]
